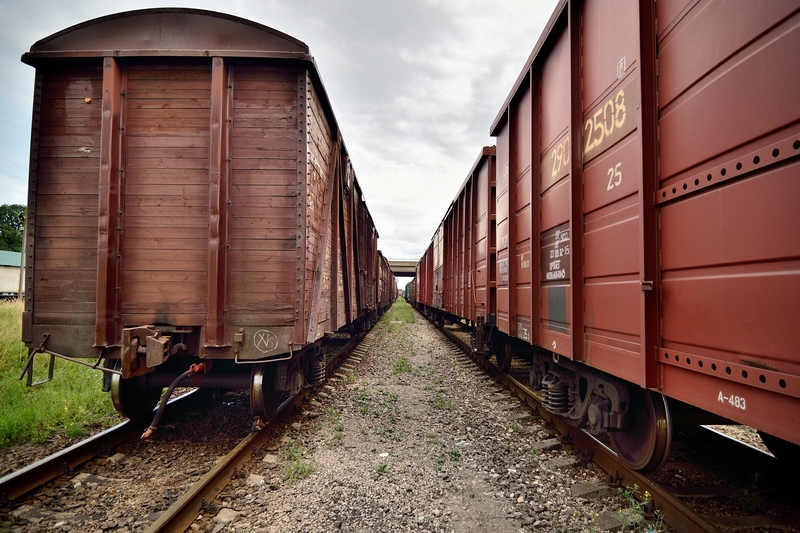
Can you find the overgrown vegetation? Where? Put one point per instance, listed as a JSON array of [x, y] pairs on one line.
[[399, 314], [296, 465], [636, 514], [69, 404], [433, 438], [440, 402], [749, 497], [401, 364]]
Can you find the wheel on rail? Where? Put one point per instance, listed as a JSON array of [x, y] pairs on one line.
[[645, 445], [264, 399], [503, 356], [133, 398]]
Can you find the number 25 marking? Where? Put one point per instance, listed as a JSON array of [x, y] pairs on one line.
[[614, 172]]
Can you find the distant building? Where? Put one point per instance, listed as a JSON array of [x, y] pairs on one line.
[[10, 274]]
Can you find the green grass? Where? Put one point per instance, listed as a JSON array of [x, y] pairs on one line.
[[432, 438], [635, 515], [296, 466], [440, 403], [400, 312], [401, 364], [69, 404]]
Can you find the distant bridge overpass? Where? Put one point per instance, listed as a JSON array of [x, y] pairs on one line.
[[403, 269]]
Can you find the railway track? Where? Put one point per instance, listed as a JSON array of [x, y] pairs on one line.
[[180, 515], [33, 476], [677, 503]]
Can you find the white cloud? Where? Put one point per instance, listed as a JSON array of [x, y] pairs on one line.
[[414, 86]]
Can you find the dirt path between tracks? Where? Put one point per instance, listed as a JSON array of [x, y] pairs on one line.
[[412, 438]]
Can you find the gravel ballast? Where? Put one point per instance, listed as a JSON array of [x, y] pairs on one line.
[[409, 436], [414, 438]]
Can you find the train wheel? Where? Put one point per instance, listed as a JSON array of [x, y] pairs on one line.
[[503, 356], [645, 445], [133, 398], [264, 399]]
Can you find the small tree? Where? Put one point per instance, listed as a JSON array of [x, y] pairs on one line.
[[12, 218]]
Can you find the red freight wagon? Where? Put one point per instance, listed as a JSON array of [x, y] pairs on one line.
[[647, 219], [387, 285], [191, 200], [467, 226], [466, 237]]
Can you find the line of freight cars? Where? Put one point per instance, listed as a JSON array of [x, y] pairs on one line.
[[192, 209], [635, 230]]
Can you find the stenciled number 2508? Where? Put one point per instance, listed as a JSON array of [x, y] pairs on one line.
[[601, 125]]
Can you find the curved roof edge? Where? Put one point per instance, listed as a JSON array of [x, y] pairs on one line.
[[168, 32]]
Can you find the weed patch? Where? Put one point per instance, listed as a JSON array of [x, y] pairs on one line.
[[636, 512], [441, 403], [401, 364], [297, 466], [70, 404]]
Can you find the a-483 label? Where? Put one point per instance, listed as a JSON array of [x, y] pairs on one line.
[[736, 401]]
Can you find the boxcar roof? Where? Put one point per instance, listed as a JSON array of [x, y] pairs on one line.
[[168, 32]]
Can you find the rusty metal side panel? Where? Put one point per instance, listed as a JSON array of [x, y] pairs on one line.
[[165, 237], [556, 149], [452, 254], [448, 255], [64, 197], [521, 267], [451, 250], [743, 88], [501, 266], [668, 12], [456, 249], [427, 296], [611, 190], [266, 212], [728, 211], [469, 253], [463, 251], [483, 232], [419, 279], [437, 266]]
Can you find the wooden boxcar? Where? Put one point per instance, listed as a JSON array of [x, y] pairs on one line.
[[191, 199], [647, 220], [387, 284]]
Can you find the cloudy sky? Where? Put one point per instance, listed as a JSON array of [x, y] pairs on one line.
[[415, 85]]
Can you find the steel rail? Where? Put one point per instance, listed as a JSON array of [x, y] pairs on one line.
[[33, 476], [678, 515], [181, 514]]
